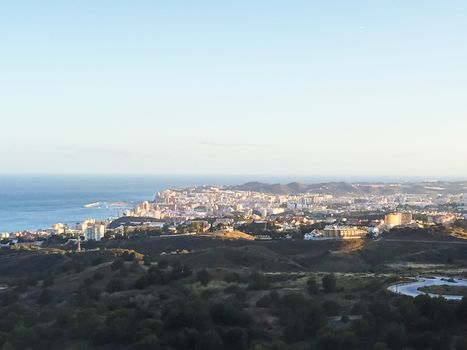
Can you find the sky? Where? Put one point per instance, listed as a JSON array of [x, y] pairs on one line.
[[304, 87]]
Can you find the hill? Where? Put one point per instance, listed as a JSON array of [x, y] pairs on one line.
[[232, 235], [345, 188]]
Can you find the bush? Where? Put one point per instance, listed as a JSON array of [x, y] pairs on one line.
[[115, 285], [312, 286], [147, 260], [162, 263], [235, 338], [9, 298], [134, 267], [192, 313], [117, 264], [97, 261], [329, 283], [98, 276], [203, 277], [233, 278], [258, 282], [93, 293], [332, 308], [149, 342], [228, 315], [48, 282], [45, 297], [269, 300]]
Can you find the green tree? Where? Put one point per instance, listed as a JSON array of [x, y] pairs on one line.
[[45, 297], [235, 338], [258, 281], [149, 342], [329, 283], [115, 285], [49, 281], [312, 286], [203, 277], [118, 263]]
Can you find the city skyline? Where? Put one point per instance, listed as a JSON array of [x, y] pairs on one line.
[[263, 87]]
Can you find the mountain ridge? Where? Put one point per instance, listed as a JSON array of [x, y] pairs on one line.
[[354, 188]]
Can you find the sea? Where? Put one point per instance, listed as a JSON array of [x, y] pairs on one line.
[[36, 202], [33, 202]]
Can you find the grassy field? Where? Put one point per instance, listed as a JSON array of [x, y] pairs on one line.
[[446, 290]]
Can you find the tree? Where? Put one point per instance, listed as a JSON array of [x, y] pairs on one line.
[[235, 338], [48, 281], [115, 285], [149, 342], [147, 260], [45, 297], [162, 263], [226, 314], [193, 313], [118, 263], [329, 283], [332, 307], [210, 340], [203, 277], [258, 282], [312, 286], [10, 297]]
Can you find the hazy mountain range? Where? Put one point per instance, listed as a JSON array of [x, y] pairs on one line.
[[366, 188]]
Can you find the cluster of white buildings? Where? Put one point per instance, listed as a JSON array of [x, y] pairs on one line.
[[203, 202], [91, 229], [234, 207]]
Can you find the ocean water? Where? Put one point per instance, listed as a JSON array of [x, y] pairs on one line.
[[36, 202]]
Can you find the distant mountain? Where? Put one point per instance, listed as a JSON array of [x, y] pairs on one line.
[[345, 188]]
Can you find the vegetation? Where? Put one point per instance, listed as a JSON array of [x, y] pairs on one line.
[[225, 295], [446, 290]]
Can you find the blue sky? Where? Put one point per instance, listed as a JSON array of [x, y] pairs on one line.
[[234, 87]]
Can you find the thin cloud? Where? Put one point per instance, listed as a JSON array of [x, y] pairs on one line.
[[228, 144]]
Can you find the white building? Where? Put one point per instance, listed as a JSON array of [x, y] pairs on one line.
[[342, 232], [95, 232], [312, 235]]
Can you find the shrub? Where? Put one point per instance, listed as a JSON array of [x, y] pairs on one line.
[[258, 282], [117, 264], [269, 300], [48, 282], [228, 315], [203, 277], [312, 286], [329, 283], [115, 285], [233, 278], [45, 297]]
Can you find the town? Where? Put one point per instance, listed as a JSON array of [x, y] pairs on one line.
[[204, 210]]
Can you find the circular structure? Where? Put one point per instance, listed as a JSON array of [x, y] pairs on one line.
[[412, 289]]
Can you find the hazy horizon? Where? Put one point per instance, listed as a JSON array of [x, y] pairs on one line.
[[256, 87], [243, 178]]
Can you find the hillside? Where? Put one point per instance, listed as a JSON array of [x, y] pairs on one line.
[[232, 235], [205, 292]]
